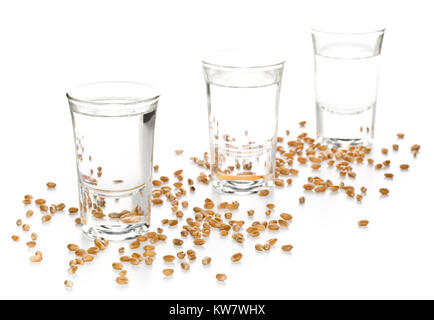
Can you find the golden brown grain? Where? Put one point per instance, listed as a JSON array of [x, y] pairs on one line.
[[73, 210], [169, 258], [363, 223], [404, 166], [287, 247], [122, 280], [263, 193], [68, 283], [236, 257], [221, 277], [15, 237], [206, 261], [384, 191], [36, 258], [168, 272], [51, 185]]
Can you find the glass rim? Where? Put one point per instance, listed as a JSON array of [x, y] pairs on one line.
[[381, 30], [207, 60], [74, 97]]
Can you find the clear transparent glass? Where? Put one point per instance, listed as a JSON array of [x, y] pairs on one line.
[[243, 91], [346, 77], [113, 126]]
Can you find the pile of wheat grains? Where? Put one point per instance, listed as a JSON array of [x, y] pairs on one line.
[[198, 222]]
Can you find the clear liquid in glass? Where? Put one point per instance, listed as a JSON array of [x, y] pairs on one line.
[[114, 164], [243, 124]]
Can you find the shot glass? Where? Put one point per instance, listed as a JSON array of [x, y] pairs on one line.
[[113, 125], [346, 77], [243, 91]]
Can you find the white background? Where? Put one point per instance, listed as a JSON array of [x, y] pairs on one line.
[[50, 46]]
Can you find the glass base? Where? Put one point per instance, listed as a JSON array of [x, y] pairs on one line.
[[111, 232], [342, 143], [239, 187]]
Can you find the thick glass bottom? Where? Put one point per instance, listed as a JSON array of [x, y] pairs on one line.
[[111, 232], [342, 143], [239, 187]]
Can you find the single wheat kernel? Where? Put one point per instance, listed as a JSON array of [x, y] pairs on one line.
[[52, 209], [301, 200], [178, 242], [72, 269], [168, 272], [384, 191], [263, 193], [359, 197], [169, 258], [286, 216], [77, 220], [92, 250], [199, 241], [36, 258], [87, 257], [272, 241], [181, 255], [121, 250], [287, 247], [134, 245], [363, 223], [148, 261], [236, 257], [123, 273], [267, 246], [384, 151], [250, 213], [73, 210], [31, 244], [308, 186], [51, 185], [40, 201], [404, 166], [363, 189], [15, 237], [141, 238], [395, 147], [27, 201], [68, 283], [400, 135], [26, 227], [19, 222], [206, 261], [156, 183], [388, 175], [80, 252], [221, 277], [386, 163], [43, 208], [157, 201], [121, 280], [29, 213], [178, 172], [302, 123], [185, 265], [378, 166], [259, 247]]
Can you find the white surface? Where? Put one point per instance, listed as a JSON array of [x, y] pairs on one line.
[[51, 46]]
